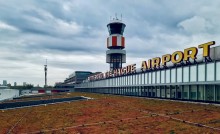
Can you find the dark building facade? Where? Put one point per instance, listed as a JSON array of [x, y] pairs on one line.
[[77, 77]]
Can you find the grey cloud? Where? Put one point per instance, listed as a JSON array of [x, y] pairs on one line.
[[69, 32]]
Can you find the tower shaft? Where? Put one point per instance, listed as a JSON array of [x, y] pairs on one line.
[[45, 70], [45, 75]]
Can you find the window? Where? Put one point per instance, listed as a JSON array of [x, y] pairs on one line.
[[145, 91], [179, 74], [201, 72], [139, 91], [185, 74], [139, 79], [200, 92], [193, 92], [142, 91], [129, 80], [146, 78], [217, 70], [135, 93], [173, 91], [210, 72], [167, 76], [179, 92], [113, 82], [133, 79], [123, 80], [162, 76], [173, 75], [209, 93], [142, 78], [185, 92], [162, 91], [150, 78], [193, 73], [167, 91], [153, 91], [153, 77], [158, 76], [217, 92], [158, 91]]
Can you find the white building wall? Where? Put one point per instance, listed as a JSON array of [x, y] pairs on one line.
[[8, 94]]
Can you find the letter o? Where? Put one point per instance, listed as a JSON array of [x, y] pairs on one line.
[[174, 57]]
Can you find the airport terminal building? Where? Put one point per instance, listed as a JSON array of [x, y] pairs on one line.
[[182, 75]]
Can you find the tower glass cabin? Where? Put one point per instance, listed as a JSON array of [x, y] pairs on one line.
[[115, 56]]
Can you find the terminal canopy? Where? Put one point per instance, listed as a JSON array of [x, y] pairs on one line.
[[116, 28]]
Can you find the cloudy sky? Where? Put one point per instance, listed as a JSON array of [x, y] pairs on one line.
[[72, 34]]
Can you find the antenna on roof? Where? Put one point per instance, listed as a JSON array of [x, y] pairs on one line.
[[45, 70], [121, 17], [116, 16]]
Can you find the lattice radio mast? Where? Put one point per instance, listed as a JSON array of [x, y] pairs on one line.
[[45, 70]]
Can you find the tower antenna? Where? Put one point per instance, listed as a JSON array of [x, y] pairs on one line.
[[45, 70]]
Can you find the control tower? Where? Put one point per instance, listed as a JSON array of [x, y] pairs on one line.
[[115, 56]]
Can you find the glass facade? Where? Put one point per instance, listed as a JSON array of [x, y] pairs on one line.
[[197, 82]]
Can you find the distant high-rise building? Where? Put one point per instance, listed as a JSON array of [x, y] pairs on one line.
[[15, 84], [4, 82]]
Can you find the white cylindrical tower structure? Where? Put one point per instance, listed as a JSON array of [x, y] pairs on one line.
[[115, 56]]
